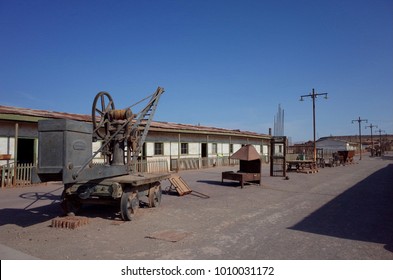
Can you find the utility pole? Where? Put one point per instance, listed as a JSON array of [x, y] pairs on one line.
[[380, 140], [360, 134], [372, 142], [314, 95]]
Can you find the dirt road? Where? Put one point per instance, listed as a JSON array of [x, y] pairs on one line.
[[339, 213]]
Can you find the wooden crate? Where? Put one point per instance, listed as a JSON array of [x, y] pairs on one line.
[[179, 184]]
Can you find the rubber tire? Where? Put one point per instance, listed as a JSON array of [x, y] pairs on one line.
[[155, 195], [129, 204]]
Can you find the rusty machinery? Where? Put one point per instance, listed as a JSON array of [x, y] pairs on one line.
[[65, 154]]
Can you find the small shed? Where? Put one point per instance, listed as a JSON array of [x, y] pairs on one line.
[[250, 166]]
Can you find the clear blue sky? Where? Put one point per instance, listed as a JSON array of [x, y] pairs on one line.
[[222, 63]]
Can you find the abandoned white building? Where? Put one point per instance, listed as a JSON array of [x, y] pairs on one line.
[[334, 145], [181, 146]]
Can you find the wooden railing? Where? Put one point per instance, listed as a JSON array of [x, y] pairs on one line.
[[12, 175], [152, 166], [199, 163], [148, 166], [20, 175]]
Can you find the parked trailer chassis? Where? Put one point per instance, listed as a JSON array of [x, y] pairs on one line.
[[128, 192]]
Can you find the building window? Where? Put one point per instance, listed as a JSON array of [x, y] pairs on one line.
[[158, 149], [214, 148], [184, 148], [231, 148]]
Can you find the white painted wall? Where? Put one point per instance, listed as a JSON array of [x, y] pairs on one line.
[[167, 149], [149, 149], [194, 149], [174, 148], [7, 147]]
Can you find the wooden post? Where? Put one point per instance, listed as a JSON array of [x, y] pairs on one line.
[[15, 154], [178, 154]]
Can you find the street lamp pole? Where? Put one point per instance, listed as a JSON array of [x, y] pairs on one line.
[[314, 95], [360, 134]]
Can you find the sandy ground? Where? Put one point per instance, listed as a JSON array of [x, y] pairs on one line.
[[338, 213]]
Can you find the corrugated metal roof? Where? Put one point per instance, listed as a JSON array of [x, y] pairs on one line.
[[202, 129], [15, 114], [42, 114]]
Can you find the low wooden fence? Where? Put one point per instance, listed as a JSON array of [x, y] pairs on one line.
[[12, 175], [199, 163], [152, 166], [20, 175]]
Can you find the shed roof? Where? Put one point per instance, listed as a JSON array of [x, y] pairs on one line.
[[247, 152], [334, 140]]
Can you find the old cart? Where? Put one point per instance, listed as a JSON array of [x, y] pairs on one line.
[[65, 154], [300, 164], [345, 157]]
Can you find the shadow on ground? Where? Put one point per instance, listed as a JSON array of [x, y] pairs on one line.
[[219, 183], [32, 213], [232, 184], [35, 212], [363, 212]]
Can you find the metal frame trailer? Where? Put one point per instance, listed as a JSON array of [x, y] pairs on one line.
[[129, 192]]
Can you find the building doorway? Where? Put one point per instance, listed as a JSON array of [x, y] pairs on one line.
[[204, 155], [25, 150], [204, 150]]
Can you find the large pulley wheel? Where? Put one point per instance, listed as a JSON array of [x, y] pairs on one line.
[[129, 205], [155, 194], [102, 105]]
